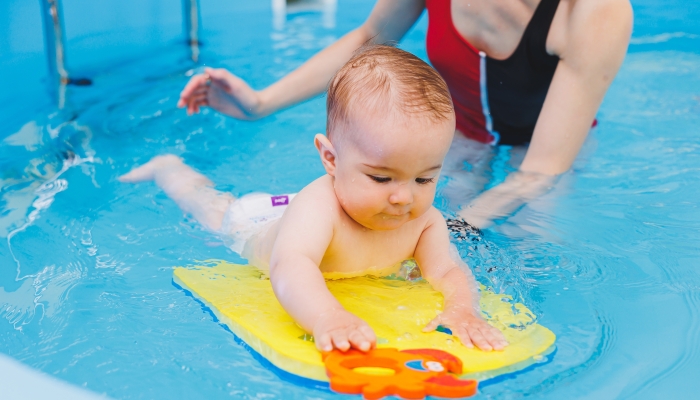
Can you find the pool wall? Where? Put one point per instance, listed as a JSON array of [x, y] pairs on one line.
[[19, 382]]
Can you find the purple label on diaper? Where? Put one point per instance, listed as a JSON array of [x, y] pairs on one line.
[[280, 201]]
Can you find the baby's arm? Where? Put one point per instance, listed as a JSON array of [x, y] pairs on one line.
[[461, 313], [305, 233]]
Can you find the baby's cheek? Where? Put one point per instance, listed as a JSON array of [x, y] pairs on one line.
[[424, 202], [364, 197], [422, 211], [345, 196], [354, 207]]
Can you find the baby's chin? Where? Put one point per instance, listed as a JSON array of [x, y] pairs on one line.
[[382, 222]]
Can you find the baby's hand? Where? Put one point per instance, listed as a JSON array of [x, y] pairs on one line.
[[469, 328], [341, 330]]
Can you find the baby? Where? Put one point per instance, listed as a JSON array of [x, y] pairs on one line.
[[390, 124]]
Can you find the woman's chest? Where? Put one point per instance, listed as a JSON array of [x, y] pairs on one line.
[[496, 27]]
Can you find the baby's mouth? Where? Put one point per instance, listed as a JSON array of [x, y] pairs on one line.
[[394, 216]]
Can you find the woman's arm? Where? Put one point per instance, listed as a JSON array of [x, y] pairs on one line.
[[389, 21], [593, 48]]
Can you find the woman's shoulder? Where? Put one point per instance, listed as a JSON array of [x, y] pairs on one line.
[[594, 30], [587, 16], [592, 11]]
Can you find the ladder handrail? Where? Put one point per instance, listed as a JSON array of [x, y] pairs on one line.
[[54, 42]]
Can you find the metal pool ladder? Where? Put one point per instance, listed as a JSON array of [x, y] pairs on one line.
[[54, 42]]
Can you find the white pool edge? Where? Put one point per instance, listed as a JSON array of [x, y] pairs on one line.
[[20, 382]]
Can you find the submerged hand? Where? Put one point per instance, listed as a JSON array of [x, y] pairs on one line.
[[222, 91], [470, 329], [500, 201], [341, 329]]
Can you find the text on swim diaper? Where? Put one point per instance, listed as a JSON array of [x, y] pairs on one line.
[[279, 200]]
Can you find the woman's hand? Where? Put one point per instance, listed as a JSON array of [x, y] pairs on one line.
[[228, 94], [469, 328], [501, 200], [222, 91], [341, 330]]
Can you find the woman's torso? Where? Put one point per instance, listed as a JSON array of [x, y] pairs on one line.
[[498, 97]]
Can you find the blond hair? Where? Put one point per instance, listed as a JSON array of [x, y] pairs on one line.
[[385, 79]]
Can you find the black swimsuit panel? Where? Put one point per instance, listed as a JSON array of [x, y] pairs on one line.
[[518, 85]]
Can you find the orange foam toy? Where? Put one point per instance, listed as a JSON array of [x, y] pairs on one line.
[[416, 373]]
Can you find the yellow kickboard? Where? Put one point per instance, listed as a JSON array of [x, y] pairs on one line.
[[241, 297]]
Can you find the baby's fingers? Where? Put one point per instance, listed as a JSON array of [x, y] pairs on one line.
[[324, 342], [359, 341], [477, 337], [463, 336], [368, 332], [432, 325], [495, 337], [340, 340]]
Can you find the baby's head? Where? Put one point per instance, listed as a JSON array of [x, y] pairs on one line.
[[390, 124]]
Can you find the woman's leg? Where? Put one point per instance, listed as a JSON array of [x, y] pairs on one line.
[[192, 191]]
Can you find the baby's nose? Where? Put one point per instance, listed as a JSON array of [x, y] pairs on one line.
[[402, 195]]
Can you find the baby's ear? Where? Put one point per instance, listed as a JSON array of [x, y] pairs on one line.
[[327, 152]]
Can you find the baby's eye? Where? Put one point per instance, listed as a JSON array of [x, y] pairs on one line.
[[424, 181], [380, 179]]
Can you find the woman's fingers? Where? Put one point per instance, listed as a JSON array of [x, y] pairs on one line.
[[200, 91], [222, 78], [193, 107], [198, 98], [196, 83]]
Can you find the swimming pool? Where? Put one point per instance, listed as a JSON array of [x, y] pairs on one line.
[[607, 259]]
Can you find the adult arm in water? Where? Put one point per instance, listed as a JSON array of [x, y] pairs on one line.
[[590, 55]]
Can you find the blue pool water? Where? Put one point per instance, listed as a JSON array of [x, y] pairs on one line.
[[608, 259]]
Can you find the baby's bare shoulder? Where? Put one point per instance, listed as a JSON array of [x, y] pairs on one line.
[[433, 217], [317, 198], [307, 226]]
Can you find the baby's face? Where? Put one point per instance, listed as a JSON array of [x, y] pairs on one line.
[[386, 171]]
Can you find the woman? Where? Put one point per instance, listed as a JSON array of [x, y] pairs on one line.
[[519, 71]]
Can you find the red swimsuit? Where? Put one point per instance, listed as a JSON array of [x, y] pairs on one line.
[[496, 101]]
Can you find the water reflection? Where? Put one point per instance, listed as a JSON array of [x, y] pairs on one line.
[[48, 148]]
